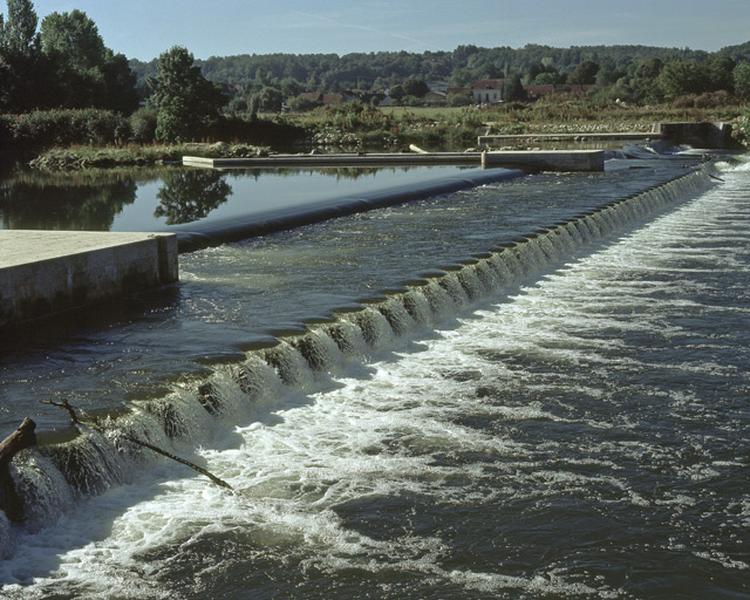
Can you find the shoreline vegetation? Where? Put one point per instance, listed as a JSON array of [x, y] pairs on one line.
[[68, 102], [360, 128]]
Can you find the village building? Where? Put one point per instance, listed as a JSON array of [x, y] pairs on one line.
[[488, 91]]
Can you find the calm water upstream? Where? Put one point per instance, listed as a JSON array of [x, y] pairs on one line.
[[566, 418]]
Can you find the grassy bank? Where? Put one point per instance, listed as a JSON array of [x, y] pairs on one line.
[[96, 157], [357, 127], [453, 128]]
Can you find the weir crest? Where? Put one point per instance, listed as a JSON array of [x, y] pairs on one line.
[[195, 412]]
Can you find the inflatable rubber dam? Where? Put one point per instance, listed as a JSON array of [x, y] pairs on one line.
[[402, 398]]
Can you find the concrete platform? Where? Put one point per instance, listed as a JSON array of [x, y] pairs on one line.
[[45, 272], [641, 136], [551, 160]]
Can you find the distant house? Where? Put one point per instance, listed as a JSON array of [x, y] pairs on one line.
[[488, 91]]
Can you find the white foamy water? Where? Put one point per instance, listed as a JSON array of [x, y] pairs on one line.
[[541, 447]]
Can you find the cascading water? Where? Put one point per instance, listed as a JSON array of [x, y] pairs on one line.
[[200, 411]]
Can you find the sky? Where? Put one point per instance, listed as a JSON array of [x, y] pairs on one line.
[[145, 28]]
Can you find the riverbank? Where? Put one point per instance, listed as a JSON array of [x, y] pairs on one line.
[[359, 127], [355, 127], [93, 157]]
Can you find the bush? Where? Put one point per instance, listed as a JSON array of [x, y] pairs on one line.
[[460, 100], [302, 104], [143, 125], [705, 100], [64, 127], [741, 129]]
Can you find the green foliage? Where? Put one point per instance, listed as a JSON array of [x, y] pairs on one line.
[[187, 104], [397, 92], [415, 87], [88, 73], [546, 78], [143, 125], [237, 106], [741, 129], [66, 65], [719, 72], [270, 99], [741, 76], [43, 129], [302, 104], [584, 73], [705, 100], [73, 37], [386, 70], [190, 195], [681, 77], [514, 88], [460, 100], [18, 33]]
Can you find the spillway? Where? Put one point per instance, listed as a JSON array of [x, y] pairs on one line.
[[548, 412]]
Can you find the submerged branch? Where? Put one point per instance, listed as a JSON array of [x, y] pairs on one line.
[[74, 416]]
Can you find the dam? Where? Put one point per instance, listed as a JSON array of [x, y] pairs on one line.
[[530, 388]]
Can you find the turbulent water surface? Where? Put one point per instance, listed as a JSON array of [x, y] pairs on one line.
[[569, 419]]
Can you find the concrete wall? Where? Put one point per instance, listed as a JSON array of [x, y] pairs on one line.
[[45, 272], [699, 135]]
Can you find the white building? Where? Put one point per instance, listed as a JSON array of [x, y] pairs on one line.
[[488, 91]]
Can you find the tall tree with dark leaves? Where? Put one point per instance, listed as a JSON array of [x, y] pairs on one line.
[[18, 34], [187, 104], [88, 73]]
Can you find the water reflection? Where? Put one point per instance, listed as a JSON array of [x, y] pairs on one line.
[[76, 201], [153, 199], [191, 195]]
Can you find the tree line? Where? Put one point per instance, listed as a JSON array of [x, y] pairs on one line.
[[62, 62], [630, 73]]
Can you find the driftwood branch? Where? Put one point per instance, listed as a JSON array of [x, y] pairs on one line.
[[80, 420], [66, 406], [201, 470], [22, 438]]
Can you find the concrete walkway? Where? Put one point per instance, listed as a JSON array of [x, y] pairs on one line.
[[45, 272]]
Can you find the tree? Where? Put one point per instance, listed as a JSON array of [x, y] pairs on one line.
[[18, 33], [742, 80], [546, 78], [84, 71], [720, 71], [187, 104], [74, 38], [584, 73], [514, 88], [681, 77], [270, 99], [119, 91], [397, 92], [415, 87], [191, 195], [649, 68]]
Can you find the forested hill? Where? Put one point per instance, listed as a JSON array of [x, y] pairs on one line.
[[738, 53], [380, 69]]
